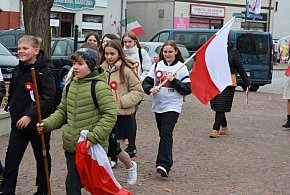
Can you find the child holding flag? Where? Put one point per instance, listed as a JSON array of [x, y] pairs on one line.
[[78, 110], [167, 100]]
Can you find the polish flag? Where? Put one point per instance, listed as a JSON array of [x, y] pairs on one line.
[[94, 169], [132, 25], [211, 71]]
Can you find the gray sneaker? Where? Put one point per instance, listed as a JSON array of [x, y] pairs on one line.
[[132, 174]]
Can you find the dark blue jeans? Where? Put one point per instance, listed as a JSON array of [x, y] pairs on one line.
[[73, 182], [17, 145], [165, 123]]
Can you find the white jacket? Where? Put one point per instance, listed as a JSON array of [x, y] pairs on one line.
[[133, 54]]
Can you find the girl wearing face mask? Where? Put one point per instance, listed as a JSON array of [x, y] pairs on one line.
[[128, 92], [142, 61], [167, 100]]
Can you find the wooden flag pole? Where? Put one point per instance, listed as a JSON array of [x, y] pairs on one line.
[[41, 134]]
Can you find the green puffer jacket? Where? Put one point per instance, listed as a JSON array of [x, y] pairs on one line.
[[80, 113]]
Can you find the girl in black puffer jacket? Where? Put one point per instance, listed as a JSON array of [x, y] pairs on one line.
[[222, 103]]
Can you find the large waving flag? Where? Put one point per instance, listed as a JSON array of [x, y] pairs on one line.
[[211, 72], [95, 171], [133, 25]]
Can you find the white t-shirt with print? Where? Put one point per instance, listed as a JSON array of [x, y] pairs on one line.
[[168, 99]]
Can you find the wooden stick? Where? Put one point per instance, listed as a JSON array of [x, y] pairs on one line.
[[41, 134]]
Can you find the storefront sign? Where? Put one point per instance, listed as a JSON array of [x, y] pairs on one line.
[[80, 4], [92, 25], [181, 23], [54, 22], [256, 17], [211, 11]]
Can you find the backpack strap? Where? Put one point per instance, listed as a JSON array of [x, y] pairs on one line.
[[93, 92], [140, 58]]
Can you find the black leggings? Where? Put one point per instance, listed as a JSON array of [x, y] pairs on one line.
[[220, 120]]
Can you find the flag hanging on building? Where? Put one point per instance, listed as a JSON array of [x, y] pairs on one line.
[[133, 25], [211, 71], [255, 7]]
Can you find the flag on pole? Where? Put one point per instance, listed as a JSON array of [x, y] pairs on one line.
[[95, 170], [133, 25], [118, 30], [256, 7], [211, 71]]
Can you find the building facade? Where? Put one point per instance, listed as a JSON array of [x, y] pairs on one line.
[[281, 20], [100, 16], [210, 14]]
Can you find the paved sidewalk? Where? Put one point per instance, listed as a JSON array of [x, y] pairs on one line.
[[253, 159]]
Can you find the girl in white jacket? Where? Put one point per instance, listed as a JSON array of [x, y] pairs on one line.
[[142, 60]]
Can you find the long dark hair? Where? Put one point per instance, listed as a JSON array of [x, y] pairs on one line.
[[173, 44], [117, 46], [101, 49], [93, 34]]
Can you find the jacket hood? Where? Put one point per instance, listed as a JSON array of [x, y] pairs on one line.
[[95, 75], [41, 61]]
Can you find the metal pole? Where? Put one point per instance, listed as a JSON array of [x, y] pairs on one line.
[[246, 14], [125, 19], [269, 18], [76, 37]]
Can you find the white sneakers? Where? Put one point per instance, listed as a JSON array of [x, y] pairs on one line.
[[132, 174]]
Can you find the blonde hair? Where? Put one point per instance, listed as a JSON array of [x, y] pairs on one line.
[[33, 40]]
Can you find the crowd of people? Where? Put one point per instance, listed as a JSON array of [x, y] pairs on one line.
[[102, 93]]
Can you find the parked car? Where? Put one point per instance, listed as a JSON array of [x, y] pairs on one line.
[[10, 38], [61, 49], [153, 49], [8, 61]]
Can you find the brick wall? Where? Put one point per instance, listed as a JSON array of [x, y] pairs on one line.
[[9, 20]]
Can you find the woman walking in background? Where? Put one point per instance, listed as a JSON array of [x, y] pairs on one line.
[[167, 100], [222, 103], [140, 57]]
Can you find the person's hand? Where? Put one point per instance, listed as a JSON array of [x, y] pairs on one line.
[[23, 122], [170, 77], [154, 90], [89, 144], [40, 127]]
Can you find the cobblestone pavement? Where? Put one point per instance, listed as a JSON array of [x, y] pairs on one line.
[[253, 159]]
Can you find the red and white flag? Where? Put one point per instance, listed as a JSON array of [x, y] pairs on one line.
[[211, 71], [133, 25], [94, 169]]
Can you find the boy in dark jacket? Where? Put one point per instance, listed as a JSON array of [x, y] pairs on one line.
[[23, 112]]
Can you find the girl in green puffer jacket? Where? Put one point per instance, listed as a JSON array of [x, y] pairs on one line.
[[78, 111]]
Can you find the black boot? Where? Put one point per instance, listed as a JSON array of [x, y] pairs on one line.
[[287, 124]]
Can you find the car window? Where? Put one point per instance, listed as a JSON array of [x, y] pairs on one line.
[[157, 50], [4, 51], [193, 40], [163, 37], [60, 49], [9, 40], [184, 52], [51, 44], [146, 48], [259, 44]]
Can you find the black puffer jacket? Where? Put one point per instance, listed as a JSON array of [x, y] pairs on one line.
[[20, 102], [223, 102]]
